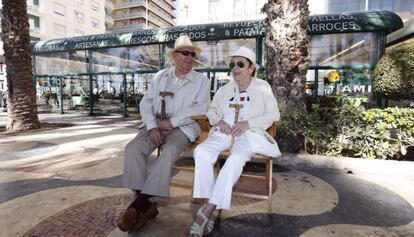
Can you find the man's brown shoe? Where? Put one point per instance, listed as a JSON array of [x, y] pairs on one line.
[[128, 219], [143, 218]]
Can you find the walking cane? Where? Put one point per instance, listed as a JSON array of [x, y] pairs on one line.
[[237, 108], [163, 114]]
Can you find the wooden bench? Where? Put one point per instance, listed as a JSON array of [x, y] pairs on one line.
[[267, 178]]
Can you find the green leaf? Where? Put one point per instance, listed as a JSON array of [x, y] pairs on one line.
[[403, 150]]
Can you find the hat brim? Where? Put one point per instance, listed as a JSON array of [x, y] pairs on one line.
[[236, 55], [197, 50]]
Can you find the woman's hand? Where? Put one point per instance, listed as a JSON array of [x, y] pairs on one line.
[[239, 128], [224, 127]]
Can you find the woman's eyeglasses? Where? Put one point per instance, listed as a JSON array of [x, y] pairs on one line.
[[187, 53], [240, 64]]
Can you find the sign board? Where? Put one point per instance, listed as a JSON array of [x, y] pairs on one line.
[[318, 24]]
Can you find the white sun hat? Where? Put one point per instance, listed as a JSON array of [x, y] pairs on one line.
[[247, 53], [183, 42]]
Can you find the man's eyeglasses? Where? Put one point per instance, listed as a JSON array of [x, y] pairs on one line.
[[187, 53], [240, 64]]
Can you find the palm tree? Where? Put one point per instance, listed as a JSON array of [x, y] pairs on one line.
[[22, 111], [286, 50]]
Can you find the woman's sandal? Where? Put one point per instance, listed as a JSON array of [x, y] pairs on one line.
[[205, 228]]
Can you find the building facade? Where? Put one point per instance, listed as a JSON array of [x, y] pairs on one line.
[[212, 11], [403, 8], [132, 15], [52, 19]]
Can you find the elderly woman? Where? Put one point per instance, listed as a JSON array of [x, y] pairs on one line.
[[257, 109]]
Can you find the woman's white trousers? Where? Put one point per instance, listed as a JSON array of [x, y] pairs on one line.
[[218, 191]]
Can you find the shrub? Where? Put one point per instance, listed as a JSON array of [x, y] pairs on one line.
[[350, 130], [393, 76]]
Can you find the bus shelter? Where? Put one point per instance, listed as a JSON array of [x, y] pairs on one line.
[[110, 72]]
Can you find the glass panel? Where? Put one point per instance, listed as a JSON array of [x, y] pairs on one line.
[[351, 49], [61, 63], [339, 82], [215, 53], [74, 90], [77, 90], [126, 59]]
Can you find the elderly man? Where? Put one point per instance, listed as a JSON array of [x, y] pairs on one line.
[[174, 95]]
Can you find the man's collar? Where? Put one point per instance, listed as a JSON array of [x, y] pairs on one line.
[[185, 76]]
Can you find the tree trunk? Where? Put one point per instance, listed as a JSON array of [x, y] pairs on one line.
[[22, 110], [286, 51]]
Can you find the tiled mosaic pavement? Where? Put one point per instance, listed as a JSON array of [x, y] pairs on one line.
[[65, 181]]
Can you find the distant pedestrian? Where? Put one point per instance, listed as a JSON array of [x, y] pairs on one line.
[[1, 98], [4, 100]]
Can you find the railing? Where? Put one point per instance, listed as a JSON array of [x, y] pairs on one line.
[[128, 27], [33, 7], [171, 3], [158, 22], [164, 6], [129, 15], [131, 3], [34, 30], [161, 14], [109, 20], [109, 6]]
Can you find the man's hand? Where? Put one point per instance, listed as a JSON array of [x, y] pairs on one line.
[[224, 127], [165, 124], [239, 128], [155, 136]]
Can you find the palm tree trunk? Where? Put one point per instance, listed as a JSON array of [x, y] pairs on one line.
[[22, 110], [286, 50]]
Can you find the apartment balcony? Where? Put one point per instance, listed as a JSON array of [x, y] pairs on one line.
[[156, 21], [109, 21], [171, 3], [128, 27], [33, 9], [164, 6], [131, 3], [109, 6], [34, 30], [161, 14], [128, 16]]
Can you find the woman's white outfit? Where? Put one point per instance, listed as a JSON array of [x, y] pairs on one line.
[[260, 111]]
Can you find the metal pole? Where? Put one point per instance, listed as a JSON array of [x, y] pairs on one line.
[[162, 55], [61, 94], [315, 87], [89, 62], [125, 95]]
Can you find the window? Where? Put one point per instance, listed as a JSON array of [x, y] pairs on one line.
[[238, 8], [95, 23], [79, 17], [94, 5], [338, 6], [32, 3], [60, 29], [59, 9], [381, 5], [34, 21], [79, 32], [213, 10]]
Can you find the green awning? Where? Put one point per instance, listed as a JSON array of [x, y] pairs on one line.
[[402, 34], [384, 21]]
